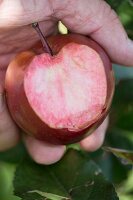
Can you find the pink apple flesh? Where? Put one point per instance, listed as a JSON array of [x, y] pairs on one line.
[[67, 90]]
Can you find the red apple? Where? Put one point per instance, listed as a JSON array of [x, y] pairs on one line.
[[61, 98]]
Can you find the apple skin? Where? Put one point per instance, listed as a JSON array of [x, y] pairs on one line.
[[19, 107]]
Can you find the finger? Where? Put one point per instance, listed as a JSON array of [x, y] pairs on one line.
[[9, 134], [42, 152], [21, 12], [95, 140], [95, 18]]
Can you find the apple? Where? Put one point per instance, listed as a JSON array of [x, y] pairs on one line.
[[63, 95]]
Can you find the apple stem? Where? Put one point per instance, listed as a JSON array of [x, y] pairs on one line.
[[43, 38]]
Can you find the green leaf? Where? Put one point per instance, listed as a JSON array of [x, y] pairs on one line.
[[124, 155], [122, 108], [111, 166], [75, 177], [49, 196], [6, 177], [125, 190], [124, 9], [13, 155], [125, 12], [115, 4], [119, 138]]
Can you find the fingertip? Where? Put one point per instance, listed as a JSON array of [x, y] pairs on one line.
[[96, 139], [92, 143], [42, 152]]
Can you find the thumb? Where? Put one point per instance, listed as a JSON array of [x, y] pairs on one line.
[[96, 19]]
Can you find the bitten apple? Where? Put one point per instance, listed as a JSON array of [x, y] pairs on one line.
[[60, 98]]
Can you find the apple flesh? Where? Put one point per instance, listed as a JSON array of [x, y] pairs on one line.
[[62, 98]]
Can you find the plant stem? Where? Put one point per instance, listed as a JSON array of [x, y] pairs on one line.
[[43, 38]]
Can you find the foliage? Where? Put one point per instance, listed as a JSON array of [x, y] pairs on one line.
[[74, 177], [124, 9]]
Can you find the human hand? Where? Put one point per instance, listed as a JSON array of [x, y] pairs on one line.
[[89, 17]]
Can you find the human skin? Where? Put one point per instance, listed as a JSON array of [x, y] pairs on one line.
[[93, 18]]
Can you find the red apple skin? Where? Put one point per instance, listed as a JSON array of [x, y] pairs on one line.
[[19, 107]]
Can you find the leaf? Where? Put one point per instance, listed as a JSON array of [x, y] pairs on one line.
[[13, 155], [125, 156], [115, 4], [111, 166], [75, 177], [122, 107], [125, 12], [49, 196], [6, 177], [125, 189], [119, 138]]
